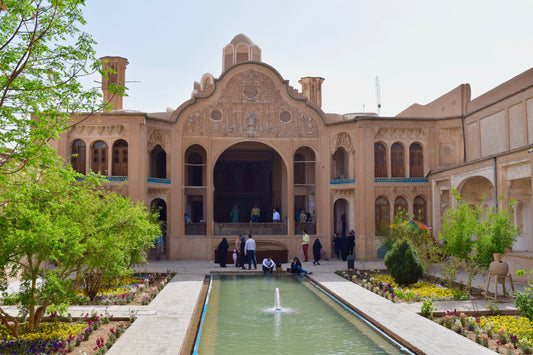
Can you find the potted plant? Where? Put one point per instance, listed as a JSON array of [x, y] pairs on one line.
[[500, 233]]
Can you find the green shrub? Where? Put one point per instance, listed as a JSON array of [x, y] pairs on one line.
[[403, 263]]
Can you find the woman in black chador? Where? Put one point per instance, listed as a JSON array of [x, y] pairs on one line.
[[317, 247], [222, 252], [344, 248]]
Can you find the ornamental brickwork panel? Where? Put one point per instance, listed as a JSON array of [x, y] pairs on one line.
[[250, 104]]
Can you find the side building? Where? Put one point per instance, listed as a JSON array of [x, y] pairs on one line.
[[248, 138]]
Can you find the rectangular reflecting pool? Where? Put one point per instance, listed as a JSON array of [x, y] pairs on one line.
[[246, 315]]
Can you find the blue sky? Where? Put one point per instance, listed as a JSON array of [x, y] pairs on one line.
[[419, 49]]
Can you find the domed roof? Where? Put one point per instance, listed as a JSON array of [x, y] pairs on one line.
[[241, 38]]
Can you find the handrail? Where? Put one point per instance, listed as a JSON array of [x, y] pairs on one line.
[[158, 180], [341, 181], [401, 179]]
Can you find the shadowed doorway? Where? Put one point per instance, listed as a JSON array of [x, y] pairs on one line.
[[247, 174]]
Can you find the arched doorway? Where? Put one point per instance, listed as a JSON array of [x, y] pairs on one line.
[[341, 213], [195, 184], [161, 206], [248, 174]]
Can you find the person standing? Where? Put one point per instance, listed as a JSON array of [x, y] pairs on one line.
[[276, 218], [337, 245], [317, 247], [234, 214], [344, 248], [343, 221], [302, 218], [238, 251], [305, 244], [241, 255], [223, 247], [249, 251], [255, 213], [350, 240], [268, 264]]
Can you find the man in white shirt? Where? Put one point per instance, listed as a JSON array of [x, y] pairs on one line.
[[275, 216], [268, 264], [249, 251]]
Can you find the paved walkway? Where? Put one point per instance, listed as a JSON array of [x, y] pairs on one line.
[[161, 327]]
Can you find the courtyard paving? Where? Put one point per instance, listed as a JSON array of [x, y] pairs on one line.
[[161, 327]]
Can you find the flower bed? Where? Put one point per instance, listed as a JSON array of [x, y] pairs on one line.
[[136, 290], [384, 285], [61, 336], [506, 334], [139, 289]]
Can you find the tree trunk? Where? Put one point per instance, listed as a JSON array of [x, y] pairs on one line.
[[10, 322]]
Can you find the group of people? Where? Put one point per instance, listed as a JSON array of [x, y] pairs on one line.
[[255, 214], [303, 216], [344, 246], [317, 248], [244, 252]]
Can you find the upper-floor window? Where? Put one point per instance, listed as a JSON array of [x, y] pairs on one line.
[[380, 161], [158, 163], [99, 157], [397, 161], [304, 166], [77, 159], [120, 158], [340, 164], [416, 160]]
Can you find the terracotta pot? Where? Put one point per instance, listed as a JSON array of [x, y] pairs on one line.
[[497, 256], [500, 268]]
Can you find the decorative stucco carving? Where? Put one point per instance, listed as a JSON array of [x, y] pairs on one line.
[[98, 130], [343, 193], [345, 141], [155, 193], [455, 132], [252, 105], [158, 137], [400, 133]]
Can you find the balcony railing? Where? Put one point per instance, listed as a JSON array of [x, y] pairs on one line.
[[109, 178], [341, 181], [251, 228], [155, 180], [195, 229], [401, 180], [116, 178], [310, 228]]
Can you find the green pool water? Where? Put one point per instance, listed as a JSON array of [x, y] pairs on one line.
[[240, 318]]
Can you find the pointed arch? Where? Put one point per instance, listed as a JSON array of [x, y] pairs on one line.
[[416, 160], [397, 160], [78, 156], [120, 158], [99, 157], [380, 160]]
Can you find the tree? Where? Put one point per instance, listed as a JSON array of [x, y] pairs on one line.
[[43, 54], [472, 233], [118, 234], [428, 250], [403, 263], [77, 226]]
